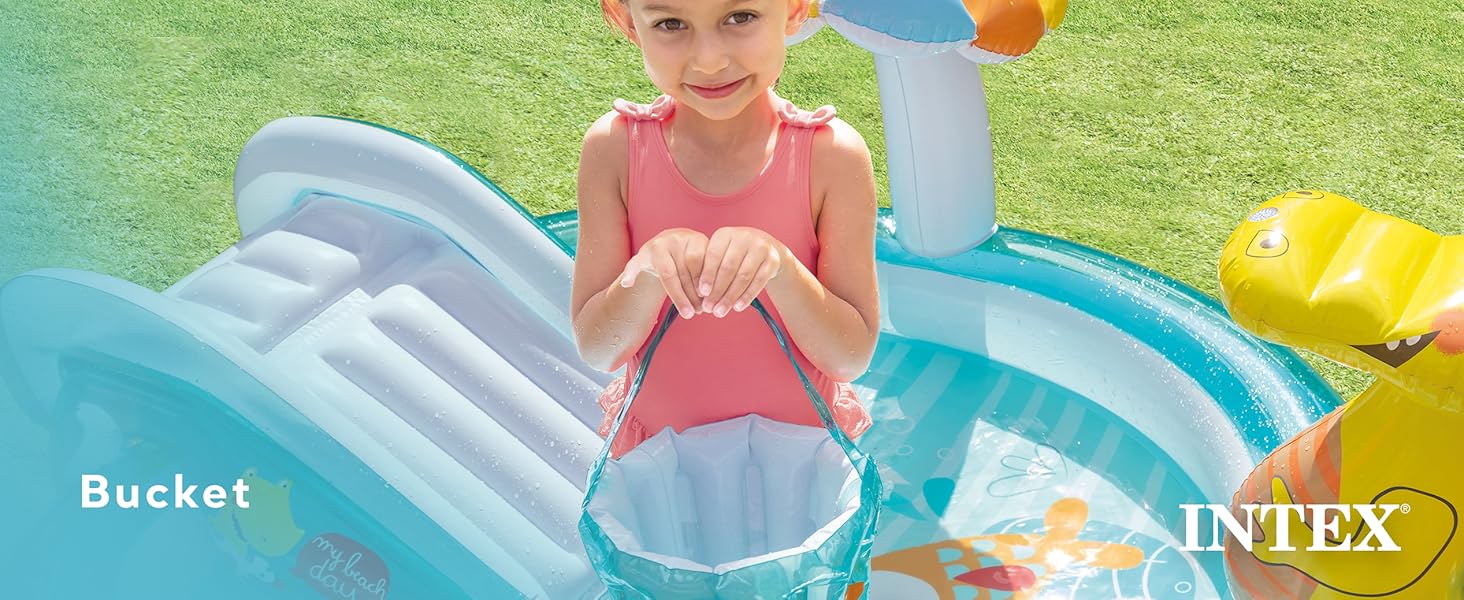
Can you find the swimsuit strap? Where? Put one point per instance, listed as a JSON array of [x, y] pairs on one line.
[[798, 117], [657, 110], [663, 106]]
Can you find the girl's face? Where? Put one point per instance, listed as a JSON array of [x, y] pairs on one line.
[[715, 56]]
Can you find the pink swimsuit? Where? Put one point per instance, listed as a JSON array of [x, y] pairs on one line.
[[709, 369]]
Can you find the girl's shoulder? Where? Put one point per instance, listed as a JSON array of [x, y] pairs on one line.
[[836, 144], [604, 157], [837, 148], [841, 168]]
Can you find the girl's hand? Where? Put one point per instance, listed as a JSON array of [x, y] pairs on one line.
[[740, 261], [675, 258]]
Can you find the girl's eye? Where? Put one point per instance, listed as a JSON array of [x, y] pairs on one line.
[[742, 18], [670, 24]]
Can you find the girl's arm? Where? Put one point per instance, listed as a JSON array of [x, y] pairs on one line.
[[611, 319], [834, 316]]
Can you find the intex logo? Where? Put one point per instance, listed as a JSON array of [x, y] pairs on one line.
[[1327, 520]]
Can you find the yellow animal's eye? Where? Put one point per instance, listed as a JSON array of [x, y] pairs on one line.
[[1268, 244], [250, 472], [285, 484], [1263, 214]]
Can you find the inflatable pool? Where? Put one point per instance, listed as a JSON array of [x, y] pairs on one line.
[[386, 355], [385, 358]]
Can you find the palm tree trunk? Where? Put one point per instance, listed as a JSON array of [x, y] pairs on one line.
[[938, 139]]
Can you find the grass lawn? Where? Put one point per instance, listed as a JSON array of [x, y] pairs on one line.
[[1147, 129]]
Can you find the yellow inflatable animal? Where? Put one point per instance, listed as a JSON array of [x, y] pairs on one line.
[[1315, 270]]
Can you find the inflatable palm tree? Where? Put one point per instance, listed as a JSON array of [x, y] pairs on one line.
[[927, 57]]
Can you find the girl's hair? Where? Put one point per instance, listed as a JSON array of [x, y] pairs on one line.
[[608, 10]]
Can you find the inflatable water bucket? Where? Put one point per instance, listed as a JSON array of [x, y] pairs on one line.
[[743, 508]]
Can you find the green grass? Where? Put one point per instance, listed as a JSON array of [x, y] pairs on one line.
[[1146, 129]]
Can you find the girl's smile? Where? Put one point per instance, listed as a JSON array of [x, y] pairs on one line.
[[718, 91], [714, 57]]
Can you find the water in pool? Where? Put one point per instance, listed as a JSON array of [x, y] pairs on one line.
[[1004, 485]]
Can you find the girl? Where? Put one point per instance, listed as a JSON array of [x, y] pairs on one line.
[[717, 193]]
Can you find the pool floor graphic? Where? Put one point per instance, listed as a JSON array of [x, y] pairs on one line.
[[988, 500], [1061, 554]]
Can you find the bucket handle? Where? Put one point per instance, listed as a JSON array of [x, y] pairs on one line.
[[824, 414]]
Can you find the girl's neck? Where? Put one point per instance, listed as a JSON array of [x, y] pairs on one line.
[[753, 123]]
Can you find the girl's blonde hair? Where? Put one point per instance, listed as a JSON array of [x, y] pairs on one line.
[[613, 11]]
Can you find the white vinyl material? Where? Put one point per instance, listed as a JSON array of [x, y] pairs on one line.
[[394, 341], [1079, 352], [721, 496], [297, 156], [942, 185], [396, 300], [888, 45]]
